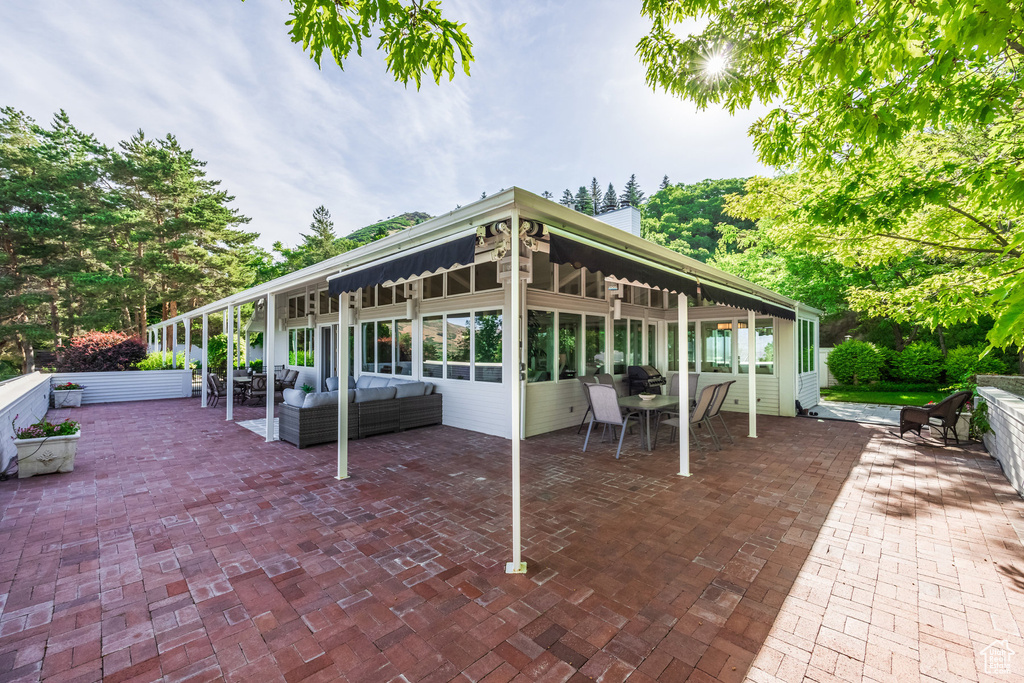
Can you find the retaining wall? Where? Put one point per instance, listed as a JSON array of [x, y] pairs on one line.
[[23, 400], [130, 385], [1006, 440]]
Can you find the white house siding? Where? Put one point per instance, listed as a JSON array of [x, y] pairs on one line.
[[736, 401], [807, 389], [554, 405], [116, 387], [477, 406]]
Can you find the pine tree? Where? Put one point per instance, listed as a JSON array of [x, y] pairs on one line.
[[567, 199], [596, 196], [611, 199], [664, 183], [547, 195], [632, 195], [584, 203], [321, 244]]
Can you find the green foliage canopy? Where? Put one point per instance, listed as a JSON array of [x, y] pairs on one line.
[[415, 37], [853, 362], [908, 114]]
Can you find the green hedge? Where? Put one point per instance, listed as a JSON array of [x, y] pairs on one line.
[[921, 362], [854, 362], [966, 361]]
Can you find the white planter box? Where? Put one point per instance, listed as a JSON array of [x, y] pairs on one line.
[[45, 455], [67, 398]]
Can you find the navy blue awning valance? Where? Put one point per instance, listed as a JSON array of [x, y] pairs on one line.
[[726, 297], [579, 255], [458, 252]]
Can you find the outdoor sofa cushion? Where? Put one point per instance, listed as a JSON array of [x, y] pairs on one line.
[[378, 382], [332, 383], [363, 382], [294, 397], [321, 399], [407, 389], [375, 394]]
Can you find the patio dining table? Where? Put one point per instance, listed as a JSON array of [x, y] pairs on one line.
[[654, 405], [246, 383]]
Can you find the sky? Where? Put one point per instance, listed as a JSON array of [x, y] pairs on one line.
[[556, 97]]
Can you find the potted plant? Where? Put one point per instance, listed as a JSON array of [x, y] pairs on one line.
[[307, 388], [67, 395], [46, 447]]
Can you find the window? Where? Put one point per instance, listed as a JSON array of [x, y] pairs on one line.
[[403, 347], [486, 276], [764, 337], [636, 342], [620, 338], [327, 304], [384, 343], [570, 342], [487, 346], [806, 345], [433, 286], [568, 279], [641, 296], [540, 345], [652, 344], [433, 346], [369, 297], [297, 306], [673, 347], [383, 350], [458, 341], [716, 346], [543, 274], [385, 295], [400, 296], [300, 347], [594, 353], [594, 285], [458, 281]]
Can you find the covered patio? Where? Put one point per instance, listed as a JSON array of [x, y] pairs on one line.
[[186, 547]]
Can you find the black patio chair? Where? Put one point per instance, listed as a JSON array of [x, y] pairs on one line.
[[945, 415]]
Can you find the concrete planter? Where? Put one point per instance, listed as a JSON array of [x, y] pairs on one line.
[[67, 398], [46, 455]]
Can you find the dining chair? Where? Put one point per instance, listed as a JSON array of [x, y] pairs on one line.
[[605, 403], [214, 388], [584, 380], [697, 415], [715, 410], [258, 389]]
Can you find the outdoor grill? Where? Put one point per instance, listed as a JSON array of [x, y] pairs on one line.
[[645, 379]]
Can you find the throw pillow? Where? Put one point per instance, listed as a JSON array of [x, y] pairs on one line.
[[332, 383], [364, 382], [378, 382]]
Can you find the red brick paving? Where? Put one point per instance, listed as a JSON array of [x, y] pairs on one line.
[[183, 547]]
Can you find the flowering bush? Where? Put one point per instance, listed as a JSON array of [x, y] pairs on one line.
[[45, 428], [101, 351], [67, 386]]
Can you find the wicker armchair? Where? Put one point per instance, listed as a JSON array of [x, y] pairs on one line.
[[944, 415]]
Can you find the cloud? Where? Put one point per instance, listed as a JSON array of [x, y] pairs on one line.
[[557, 96]]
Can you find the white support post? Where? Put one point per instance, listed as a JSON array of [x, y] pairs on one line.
[[206, 357], [238, 339], [516, 566], [343, 315], [163, 346], [752, 375], [174, 346], [268, 363], [188, 343], [684, 388], [229, 320]]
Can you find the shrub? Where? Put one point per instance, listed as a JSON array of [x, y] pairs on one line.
[[966, 361], [100, 352], [920, 362], [853, 362], [889, 358], [156, 361]]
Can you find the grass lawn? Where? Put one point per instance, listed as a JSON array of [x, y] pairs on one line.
[[893, 398]]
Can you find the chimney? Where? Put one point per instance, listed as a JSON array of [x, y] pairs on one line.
[[627, 218]]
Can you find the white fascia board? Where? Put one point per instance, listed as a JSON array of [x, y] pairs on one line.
[[478, 213], [570, 220]]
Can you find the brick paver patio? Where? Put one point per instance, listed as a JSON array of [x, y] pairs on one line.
[[183, 547]]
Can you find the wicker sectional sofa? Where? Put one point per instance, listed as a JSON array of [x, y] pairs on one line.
[[317, 421]]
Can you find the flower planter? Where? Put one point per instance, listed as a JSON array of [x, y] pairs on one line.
[[67, 398], [46, 455]]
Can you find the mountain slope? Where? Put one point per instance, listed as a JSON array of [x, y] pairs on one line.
[[387, 227]]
